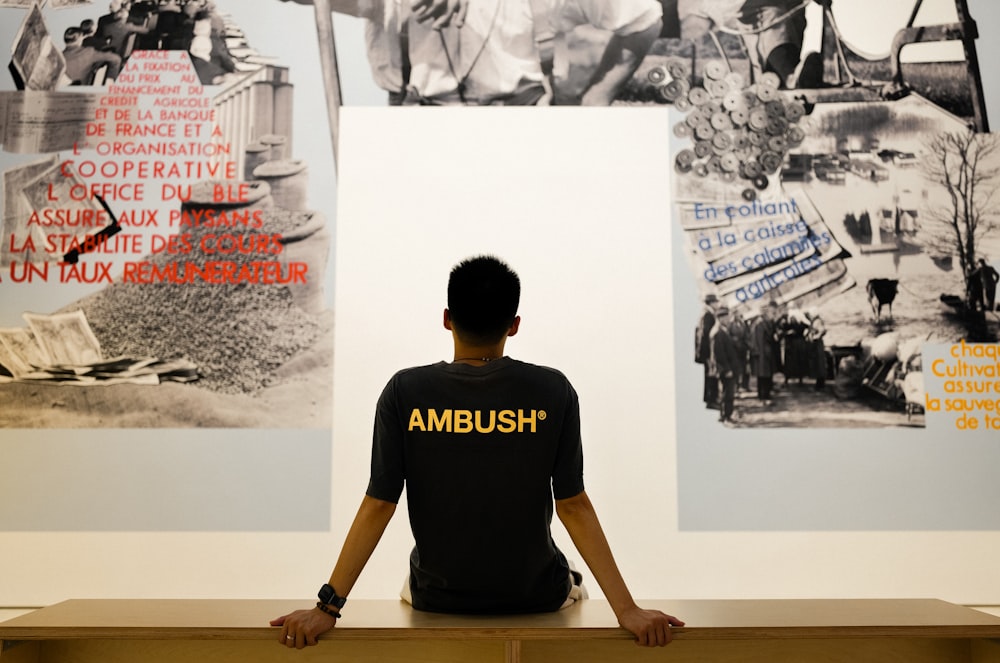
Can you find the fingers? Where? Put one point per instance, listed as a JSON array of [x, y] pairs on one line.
[[449, 17], [463, 9], [298, 640], [302, 628], [424, 9], [655, 637], [441, 13], [443, 19], [287, 636], [655, 630]]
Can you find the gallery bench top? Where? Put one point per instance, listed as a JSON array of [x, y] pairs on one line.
[[235, 619]]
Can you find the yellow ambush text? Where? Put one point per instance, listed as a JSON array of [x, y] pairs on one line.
[[474, 421]]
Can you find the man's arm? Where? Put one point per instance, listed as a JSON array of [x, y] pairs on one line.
[[621, 58], [650, 627], [303, 627]]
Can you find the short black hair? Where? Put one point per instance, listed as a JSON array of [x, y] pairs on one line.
[[483, 295]]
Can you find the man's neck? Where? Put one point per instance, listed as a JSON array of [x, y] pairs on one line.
[[477, 355]]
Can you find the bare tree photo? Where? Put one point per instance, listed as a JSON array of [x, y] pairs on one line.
[[964, 165]]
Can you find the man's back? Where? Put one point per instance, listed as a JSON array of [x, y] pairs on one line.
[[481, 450], [724, 349]]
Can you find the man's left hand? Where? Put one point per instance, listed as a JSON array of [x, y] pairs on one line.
[[651, 628]]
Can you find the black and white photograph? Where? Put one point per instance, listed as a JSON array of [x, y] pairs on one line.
[[21, 352], [36, 63], [158, 197], [17, 212], [496, 53], [836, 208]]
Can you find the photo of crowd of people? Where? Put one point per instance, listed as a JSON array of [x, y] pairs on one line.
[[736, 353], [97, 49]]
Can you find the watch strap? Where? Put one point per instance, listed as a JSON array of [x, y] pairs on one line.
[[324, 608]]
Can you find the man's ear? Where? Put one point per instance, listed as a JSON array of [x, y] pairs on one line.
[[514, 327], [447, 320]]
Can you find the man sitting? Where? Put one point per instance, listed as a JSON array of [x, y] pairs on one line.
[[482, 445]]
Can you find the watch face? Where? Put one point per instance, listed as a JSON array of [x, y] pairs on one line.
[[328, 596]]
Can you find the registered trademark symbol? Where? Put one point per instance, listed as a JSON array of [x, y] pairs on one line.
[[542, 415]]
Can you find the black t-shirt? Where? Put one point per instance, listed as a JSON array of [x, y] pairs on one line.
[[482, 451]]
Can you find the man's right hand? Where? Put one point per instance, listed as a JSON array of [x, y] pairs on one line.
[[302, 628]]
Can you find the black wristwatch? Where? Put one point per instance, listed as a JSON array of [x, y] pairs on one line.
[[328, 596]]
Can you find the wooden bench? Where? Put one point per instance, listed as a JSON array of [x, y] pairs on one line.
[[775, 631]]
